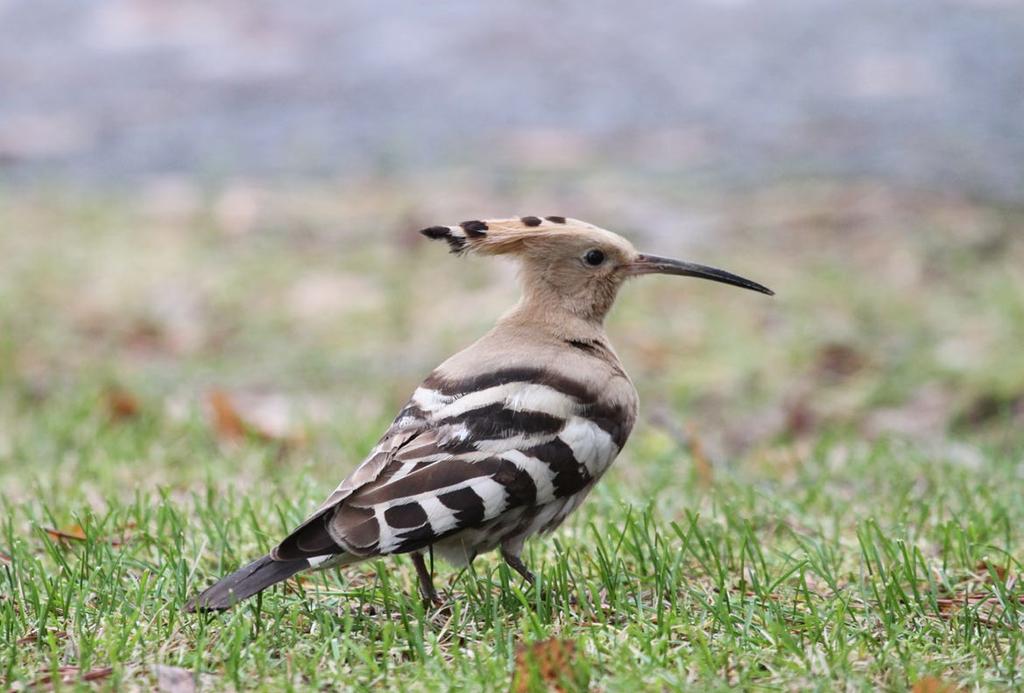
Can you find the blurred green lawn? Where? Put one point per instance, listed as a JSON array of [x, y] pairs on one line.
[[823, 489]]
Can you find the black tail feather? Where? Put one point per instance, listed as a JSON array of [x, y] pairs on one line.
[[244, 583]]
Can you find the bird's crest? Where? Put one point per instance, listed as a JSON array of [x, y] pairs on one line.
[[499, 236]]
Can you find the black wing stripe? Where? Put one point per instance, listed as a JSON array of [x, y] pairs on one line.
[[467, 505], [406, 515], [504, 376], [610, 420], [415, 539], [519, 485], [569, 475], [494, 421]]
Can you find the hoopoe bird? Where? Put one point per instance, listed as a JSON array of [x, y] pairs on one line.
[[503, 440]]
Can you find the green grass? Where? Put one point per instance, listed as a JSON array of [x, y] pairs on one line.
[[836, 575], [823, 491]]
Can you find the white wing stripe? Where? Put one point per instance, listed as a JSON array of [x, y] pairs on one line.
[[440, 517], [520, 441], [590, 444], [542, 398], [517, 396], [430, 400]]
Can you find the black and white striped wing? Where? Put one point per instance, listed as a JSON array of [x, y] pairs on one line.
[[474, 450], [314, 538]]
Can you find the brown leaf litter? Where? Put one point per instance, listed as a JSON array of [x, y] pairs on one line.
[[551, 664], [268, 419], [68, 675], [76, 533], [988, 608]]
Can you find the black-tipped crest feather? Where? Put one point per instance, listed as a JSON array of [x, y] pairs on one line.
[[456, 244]]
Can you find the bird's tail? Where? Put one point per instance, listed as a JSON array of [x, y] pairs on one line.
[[244, 583]]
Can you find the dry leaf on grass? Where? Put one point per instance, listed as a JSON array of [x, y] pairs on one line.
[[235, 418], [34, 636], [987, 607], [985, 570], [77, 533], [933, 684], [121, 404], [174, 679], [68, 675], [227, 422], [72, 533], [550, 665], [838, 361]]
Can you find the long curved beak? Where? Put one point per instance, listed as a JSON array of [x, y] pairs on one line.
[[652, 264]]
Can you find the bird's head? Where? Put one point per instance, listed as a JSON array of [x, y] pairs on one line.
[[568, 264]]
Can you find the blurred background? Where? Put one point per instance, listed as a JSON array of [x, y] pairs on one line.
[[208, 215], [920, 92]]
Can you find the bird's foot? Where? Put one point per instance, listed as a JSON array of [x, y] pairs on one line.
[[432, 602], [516, 563]]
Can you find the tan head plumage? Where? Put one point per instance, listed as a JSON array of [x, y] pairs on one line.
[[567, 264], [517, 234]]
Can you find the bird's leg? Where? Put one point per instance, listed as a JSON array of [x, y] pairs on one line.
[[516, 563], [427, 590]]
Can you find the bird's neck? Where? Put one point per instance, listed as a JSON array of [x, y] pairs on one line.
[[576, 309], [543, 313]]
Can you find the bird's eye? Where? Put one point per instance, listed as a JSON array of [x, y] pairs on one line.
[[594, 257]]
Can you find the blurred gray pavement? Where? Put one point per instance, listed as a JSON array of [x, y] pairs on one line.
[[921, 92]]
